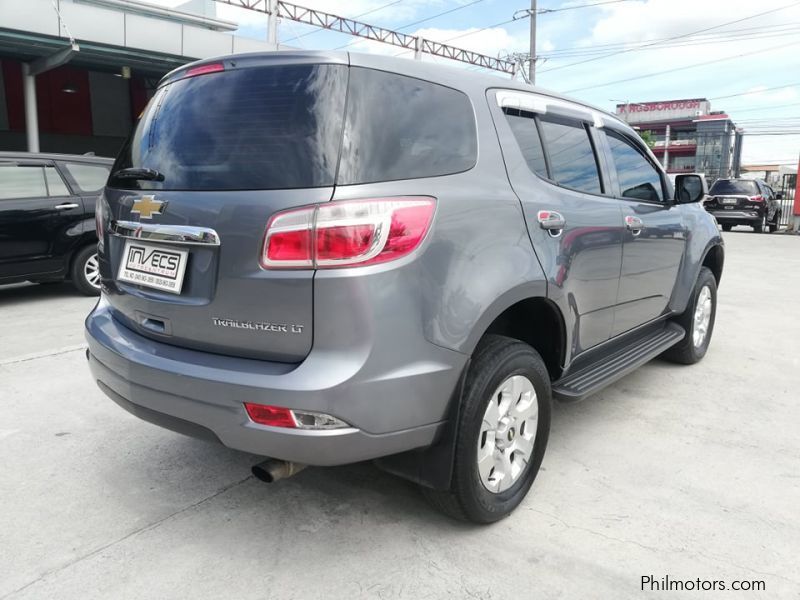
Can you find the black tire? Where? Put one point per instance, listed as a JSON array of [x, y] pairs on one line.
[[78, 272], [774, 226], [686, 352], [759, 227], [727, 227], [496, 359]]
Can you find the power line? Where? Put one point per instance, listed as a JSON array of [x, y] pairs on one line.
[[757, 91], [701, 40], [685, 35], [683, 68], [425, 20]]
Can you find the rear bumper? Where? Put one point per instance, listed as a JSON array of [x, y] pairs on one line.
[[202, 395], [745, 217]]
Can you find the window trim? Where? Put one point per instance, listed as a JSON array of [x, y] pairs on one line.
[[667, 201]]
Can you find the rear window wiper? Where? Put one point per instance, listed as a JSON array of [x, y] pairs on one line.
[[144, 174]]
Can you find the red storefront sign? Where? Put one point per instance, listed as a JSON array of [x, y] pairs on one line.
[[661, 106]]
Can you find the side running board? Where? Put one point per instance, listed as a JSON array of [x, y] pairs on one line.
[[594, 377]]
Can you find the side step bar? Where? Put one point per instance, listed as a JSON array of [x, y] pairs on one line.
[[594, 377]]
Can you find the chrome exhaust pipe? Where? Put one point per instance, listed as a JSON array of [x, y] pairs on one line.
[[272, 470]]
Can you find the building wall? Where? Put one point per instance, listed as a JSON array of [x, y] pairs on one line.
[[95, 114]]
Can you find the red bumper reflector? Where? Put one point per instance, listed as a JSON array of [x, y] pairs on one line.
[[270, 415]]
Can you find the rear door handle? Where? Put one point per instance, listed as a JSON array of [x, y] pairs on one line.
[[634, 224], [551, 220], [66, 206]]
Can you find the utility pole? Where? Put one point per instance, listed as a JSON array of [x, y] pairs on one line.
[[737, 153], [272, 23], [532, 65], [666, 147]]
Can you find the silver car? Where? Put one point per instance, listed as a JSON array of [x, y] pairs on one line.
[[324, 258]]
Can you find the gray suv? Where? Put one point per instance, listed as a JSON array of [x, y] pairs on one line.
[[325, 258]]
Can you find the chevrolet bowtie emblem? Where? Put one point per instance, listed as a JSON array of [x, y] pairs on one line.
[[147, 206]]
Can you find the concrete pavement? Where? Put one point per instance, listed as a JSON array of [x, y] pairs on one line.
[[691, 472]]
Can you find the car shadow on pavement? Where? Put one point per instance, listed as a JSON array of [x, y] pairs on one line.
[[23, 292]]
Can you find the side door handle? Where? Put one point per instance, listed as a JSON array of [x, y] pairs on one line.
[[634, 224], [552, 221], [66, 206]]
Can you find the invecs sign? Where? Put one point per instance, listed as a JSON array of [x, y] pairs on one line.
[[667, 110]]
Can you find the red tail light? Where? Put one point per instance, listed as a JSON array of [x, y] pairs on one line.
[[346, 234], [756, 198], [204, 69], [270, 415]]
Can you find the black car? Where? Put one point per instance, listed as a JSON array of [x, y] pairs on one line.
[[744, 202], [47, 228]]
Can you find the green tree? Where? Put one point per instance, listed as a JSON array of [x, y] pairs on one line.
[[647, 136]]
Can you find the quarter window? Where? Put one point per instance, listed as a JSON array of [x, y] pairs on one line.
[[530, 144], [638, 178], [572, 160], [399, 127], [22, 182], [55, 185], [90, 178]]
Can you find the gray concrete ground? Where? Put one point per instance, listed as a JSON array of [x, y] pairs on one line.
[[691, 472]]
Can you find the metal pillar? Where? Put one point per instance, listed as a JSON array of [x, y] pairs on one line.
[[737, 153], [666, 147], [272, 23], [532, 65], [29, 72], [31, 116]]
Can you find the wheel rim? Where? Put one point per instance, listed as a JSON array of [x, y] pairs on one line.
[[91, 271], [507, 435], [702, 316]]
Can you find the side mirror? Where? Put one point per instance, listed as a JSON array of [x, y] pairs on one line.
[[778, 195], [690, 188]]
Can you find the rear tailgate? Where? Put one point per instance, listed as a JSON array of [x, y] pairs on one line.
[[234, 144]]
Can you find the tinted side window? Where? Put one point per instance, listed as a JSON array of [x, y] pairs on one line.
[[22, 182], [525, 130], [572, 160], [400, 127], [55, 185], [638, 178], [90, 178]]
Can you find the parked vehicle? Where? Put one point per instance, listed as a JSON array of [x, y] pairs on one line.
[[748, 202], [305, 256], [47, 227]]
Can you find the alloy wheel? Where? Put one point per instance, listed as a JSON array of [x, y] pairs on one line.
[[507, 435]]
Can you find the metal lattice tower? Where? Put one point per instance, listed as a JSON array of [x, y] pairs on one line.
[[324, 20]]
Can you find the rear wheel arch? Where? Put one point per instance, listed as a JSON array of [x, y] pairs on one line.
[[538, 322]]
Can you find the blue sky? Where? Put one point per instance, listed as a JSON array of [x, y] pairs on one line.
[[754, 55]]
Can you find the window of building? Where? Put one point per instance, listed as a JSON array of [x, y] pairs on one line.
[[573, 163], [638, 178]]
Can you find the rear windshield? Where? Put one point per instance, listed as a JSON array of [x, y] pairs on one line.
[[281, 127], [725, 186], [258, 128]]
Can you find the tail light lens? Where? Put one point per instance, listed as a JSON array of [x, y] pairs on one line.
[[99, 220], [347, 234], [756, 198], [204, 69], [276, 416]]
